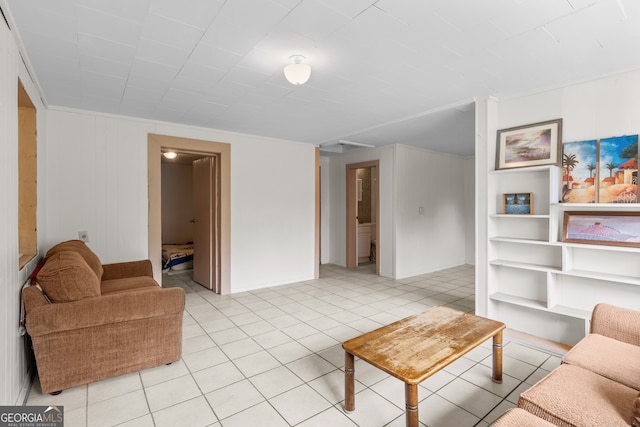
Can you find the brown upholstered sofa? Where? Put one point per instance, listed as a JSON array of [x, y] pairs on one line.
[[597, 384], [89, 321]]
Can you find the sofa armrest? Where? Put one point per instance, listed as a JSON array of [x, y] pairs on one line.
[[33, 297], [615, 322], [123, 270], [107, 309]]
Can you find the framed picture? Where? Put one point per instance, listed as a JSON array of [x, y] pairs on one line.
[[580, 171], [536, 144], [602, 228], [618, 170], [517, 203]]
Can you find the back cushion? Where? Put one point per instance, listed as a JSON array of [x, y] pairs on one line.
[[67, 277], [79, 246]]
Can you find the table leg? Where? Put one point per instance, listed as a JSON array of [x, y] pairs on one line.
[[411, 397], [349, 398], [497, 358]]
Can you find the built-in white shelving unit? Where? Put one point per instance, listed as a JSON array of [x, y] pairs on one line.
[[535, 282]]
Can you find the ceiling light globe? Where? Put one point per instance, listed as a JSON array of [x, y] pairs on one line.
[[297, 73], [170, 155]]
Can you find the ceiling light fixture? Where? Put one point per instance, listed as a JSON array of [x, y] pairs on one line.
[[339, 146], [297, 73], [170, 154], [355, 144]]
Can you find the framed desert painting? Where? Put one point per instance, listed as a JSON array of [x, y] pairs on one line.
[[536, 144], [579, 171], [618, 173], [602, 228]]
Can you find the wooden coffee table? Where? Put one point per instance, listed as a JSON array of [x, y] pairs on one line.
[[417, 347]]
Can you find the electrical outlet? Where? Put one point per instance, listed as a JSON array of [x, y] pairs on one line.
[[83, 235]]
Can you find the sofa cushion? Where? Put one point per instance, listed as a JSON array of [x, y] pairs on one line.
[[127, 284], [67, 277], [516, 417], [79, 246], [616, 322], [610, 358], [571, 396]]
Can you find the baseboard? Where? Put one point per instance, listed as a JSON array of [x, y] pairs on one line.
[[531, 340], [23, 396]]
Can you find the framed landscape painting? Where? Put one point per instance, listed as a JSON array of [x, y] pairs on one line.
[[602, 228], [618, 173], [579, 171], [536, 144]]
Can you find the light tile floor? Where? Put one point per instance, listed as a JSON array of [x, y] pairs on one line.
[[272, 357]]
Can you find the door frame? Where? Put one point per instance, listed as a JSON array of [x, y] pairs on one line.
[[352, 200], [317, 217], [155, 145]]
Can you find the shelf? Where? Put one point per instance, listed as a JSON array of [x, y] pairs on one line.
[[536, 281], [520, 301], [571, 312], [525, 266], [609, 248], [514, 216], [523, 241], [608, 277], [545, 168], [598, 206], [541, 305]]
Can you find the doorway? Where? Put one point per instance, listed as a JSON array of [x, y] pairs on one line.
[[27, 177], [217, 194], [363, 213], [190, 216]]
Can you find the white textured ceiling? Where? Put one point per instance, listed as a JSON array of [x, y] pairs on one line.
[[385, 71]]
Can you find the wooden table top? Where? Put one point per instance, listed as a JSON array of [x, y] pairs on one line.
[[417, 347]]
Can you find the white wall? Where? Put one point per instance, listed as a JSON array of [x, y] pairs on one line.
[[272, 212], [14, 352], [486, 126], [325, 211], [597, 108], [469, 176], [10, 283], [97, 181], [435, 239]]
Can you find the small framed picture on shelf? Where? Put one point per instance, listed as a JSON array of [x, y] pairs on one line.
[[536, 144], [602, 228], [517, 203]]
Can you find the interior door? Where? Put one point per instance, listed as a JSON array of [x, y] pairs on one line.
[[352, 218], [205, 203], [352, 215]]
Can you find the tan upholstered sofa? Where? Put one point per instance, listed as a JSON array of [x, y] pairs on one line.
[[89, 321], [597, 384]]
